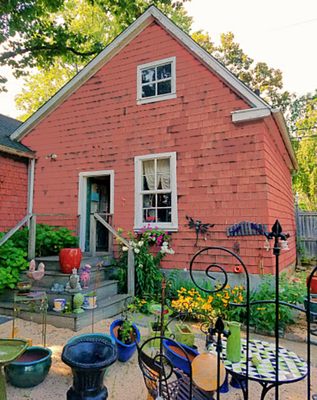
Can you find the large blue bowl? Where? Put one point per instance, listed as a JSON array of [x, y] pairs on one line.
[[175, 356], [92, 335], [31, 368], [125, 351]]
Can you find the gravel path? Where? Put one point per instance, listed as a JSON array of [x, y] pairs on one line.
[[124, 380]]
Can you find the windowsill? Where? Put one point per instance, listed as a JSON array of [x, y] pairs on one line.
[[163, 228], [156, 98]]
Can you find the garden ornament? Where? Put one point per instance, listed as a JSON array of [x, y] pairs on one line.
[[36, 274], [73, 284], [85, 276], [78, 301], [57, 287], [199, 227]]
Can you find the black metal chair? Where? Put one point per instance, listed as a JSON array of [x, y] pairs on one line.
[[162, 379]]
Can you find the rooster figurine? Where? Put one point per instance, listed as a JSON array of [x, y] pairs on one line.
[[85, 276], [36, 274]]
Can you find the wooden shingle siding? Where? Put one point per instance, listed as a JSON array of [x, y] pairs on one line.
[[225, 172]]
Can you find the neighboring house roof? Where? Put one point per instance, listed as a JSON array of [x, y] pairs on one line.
[[7, 127], [259, 108]]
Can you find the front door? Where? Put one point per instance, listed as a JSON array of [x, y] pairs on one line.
[[95, 197]]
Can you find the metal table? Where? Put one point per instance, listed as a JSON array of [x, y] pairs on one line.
[[34, 301], [292, 368]]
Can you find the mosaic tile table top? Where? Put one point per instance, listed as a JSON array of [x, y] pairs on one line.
[[291, 367]]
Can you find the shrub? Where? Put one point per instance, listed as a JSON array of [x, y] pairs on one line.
[[13, 260], [49, 239], [149, 246]]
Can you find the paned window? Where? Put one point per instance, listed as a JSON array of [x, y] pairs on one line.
[[156, 81], [156, 199]]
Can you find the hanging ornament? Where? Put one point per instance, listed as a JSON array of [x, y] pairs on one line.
[[284, 245]]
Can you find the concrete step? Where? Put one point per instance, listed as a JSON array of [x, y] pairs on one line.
[[52, 262], [105, 290], [96, 277], [106, 308]]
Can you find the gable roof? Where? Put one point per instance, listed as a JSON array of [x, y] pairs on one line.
[[7, 127], [150, 15]]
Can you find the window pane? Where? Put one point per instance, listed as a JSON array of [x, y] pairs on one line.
[[148, 90], [164, 215], [148, 168], [148, 200], [164, 71], [148, 75], [149, 215], [164, 200], [164, 87]]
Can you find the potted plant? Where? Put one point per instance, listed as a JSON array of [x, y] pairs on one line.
[[126, 335], [184, 334], [313, 284]]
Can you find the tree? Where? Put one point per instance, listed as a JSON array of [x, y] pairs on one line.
[[34, 33], [258, 76], [305, 146]]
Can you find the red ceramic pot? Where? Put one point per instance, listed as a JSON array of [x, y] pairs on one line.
[[69, 259], [313, 284]]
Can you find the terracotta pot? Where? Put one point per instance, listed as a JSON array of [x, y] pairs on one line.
[[69, 259], [313, 284]]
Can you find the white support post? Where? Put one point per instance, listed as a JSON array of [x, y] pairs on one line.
[[32, 237], [131, 272]]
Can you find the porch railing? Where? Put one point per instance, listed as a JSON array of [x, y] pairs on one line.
[[29, 219], [131, 269]]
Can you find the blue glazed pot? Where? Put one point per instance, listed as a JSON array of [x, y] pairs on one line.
[[125, 351], [179, 361], [92, 335], [31, 368]]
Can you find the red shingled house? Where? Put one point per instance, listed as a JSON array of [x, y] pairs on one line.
[[154, 129], [15, 162]]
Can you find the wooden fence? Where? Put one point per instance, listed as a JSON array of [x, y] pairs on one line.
[[307, 232]]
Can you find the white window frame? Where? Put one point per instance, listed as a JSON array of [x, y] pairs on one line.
[[159, 97], [138, 205]]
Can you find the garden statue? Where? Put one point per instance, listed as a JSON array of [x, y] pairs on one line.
[[36, 274], [85, 276], [73, 284], [78, 301]]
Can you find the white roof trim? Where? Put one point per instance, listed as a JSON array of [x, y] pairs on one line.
[[250, 114], [116, 45], [19, 153], [280, 122]]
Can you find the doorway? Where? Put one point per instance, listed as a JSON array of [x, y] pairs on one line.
[[95, 196]]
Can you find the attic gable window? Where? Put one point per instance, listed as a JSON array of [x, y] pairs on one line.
[[156, 81]]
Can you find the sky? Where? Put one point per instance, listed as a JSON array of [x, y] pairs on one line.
[[281, 33]]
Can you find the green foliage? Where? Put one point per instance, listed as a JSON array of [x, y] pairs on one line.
[[126, 332], [305, 179], [12, 262], [149, 246], [49, 239], [292, 290], [49, 32]]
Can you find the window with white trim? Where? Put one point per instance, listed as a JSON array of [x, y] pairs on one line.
[[156, 81], [155, 191]]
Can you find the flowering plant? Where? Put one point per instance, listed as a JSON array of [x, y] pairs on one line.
[[193, 302], [147, 259]]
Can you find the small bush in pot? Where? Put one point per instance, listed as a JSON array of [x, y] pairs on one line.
[[126, 335]]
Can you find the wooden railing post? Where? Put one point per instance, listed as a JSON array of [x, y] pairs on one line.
[[32, 237], [131, 272], [93, 235]]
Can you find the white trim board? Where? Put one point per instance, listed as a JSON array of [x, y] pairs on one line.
[[117, 44], [82, 196]]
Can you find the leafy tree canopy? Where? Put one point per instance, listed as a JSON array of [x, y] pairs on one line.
[[305, 146], [34, 33]]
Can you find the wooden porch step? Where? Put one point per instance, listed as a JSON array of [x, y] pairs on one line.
[[107, 308]]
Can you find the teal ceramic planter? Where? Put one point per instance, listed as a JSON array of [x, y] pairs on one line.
[[31, 368]]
